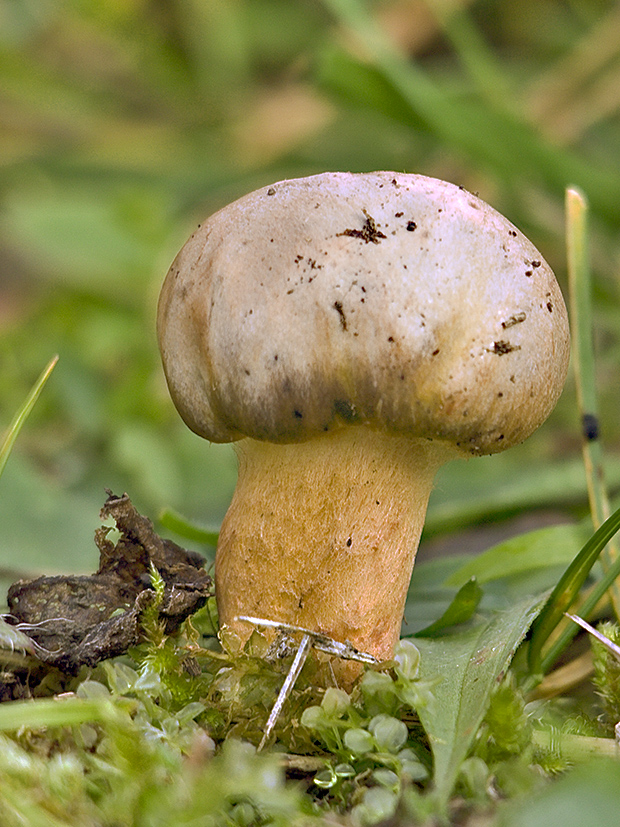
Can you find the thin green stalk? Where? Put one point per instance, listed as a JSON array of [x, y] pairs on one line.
[[580, 299], [599, 546], [22, 414]]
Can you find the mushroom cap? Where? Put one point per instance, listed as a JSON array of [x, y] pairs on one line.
[[397, 301]]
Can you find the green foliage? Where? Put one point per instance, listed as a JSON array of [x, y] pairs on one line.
[[173, 521], [135, 774], [503, 754], [165, 737], [525, 553], [460, 610], [470, 662], [152, 626], [506, 729], [132, 748], [125, 124], [366, 746], [109, 166], [567, 589]]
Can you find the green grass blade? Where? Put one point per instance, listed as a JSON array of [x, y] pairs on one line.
[[587, 607], [22, 414], [599, 545], [580, 293], [567, 589], [173, 521], [545, 547]]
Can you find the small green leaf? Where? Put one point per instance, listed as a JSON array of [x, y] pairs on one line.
[[335, 702], [407, 658], [358, 741], [314, 717], [390, 733], [378, 805], [325, 779], [460, 610], [470, 663], [386, 778]]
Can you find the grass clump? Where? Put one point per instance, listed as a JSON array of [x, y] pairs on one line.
[[164, 744]]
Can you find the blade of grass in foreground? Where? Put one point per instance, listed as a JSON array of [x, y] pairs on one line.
[[599, 544], [588, 605], [22, 414], [52, 712], [565, 592], [580, 292]]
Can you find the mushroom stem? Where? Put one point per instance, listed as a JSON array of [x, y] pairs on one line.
[[324, 534]]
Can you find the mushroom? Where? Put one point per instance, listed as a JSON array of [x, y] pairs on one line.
[[352, 333]]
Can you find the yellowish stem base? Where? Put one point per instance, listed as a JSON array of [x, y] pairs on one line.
[[324, 534]]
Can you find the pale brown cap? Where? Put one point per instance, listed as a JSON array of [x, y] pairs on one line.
[[397, 301]]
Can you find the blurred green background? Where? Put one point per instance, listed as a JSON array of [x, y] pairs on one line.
[[123, 123]]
